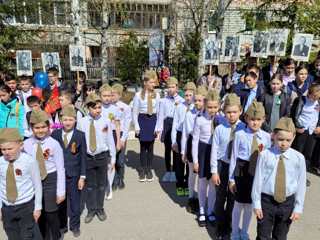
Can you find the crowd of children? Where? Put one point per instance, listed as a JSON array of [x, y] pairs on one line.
[[228, 149]]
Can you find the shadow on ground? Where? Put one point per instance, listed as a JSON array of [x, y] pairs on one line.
[[169, 188]]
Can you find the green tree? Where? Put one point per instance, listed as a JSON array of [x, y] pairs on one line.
[[12, 35], [203, 15], [132, 58], [294, 15]]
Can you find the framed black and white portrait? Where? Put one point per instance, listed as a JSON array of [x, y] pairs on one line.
[[260, 44], [302, 44], [51, 60], [278, 42], [24, 62], [246, 44], [77, 58], [211, 50], [231, 48]]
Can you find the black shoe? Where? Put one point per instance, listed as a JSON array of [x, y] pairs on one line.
[[149, 176], [308, 183], [115, 183], [142, 176], [196, 205], [121, 184], [102, 216], [202, 220], [63, 230], [76, 233], [89, 217], [192, 205]]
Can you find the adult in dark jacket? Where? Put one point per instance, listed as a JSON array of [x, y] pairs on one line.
[[276, 103]]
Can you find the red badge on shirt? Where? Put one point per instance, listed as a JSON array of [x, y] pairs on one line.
[[46, 154], [260, 147], [73, 148], [105, 130], [18, 172]]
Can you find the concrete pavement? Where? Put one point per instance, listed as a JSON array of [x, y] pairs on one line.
[[151, 211]]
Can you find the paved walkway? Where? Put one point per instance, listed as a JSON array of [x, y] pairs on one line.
[[151, 211]]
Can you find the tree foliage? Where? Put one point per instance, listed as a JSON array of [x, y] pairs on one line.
[[12, 35], [132, 57], [296, 15], [200, 14]]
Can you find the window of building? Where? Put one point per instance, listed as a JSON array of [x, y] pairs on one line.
[[47, 13], [32, 13], [43, 13], [95, 18], [62, 11], [135, 15]]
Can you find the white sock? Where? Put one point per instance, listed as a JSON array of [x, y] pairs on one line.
[[211, 197], [236, 215], [247, 214], [111, 173], [191, 180], [202, 193]]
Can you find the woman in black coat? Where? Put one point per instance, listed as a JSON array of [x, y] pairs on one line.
[[276, 103]]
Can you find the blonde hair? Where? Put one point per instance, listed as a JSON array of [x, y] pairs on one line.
[[148, 75]]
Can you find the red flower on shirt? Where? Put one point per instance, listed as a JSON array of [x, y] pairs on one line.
[[18, 172], [105, 130], [73, 148], [260, 147], [46, 154]]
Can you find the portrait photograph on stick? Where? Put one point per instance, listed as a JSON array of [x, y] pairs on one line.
[[302, 44], [77, 58], [211, 50], [278, 42], [24, 62], [51, 60], [231, 48], [260, 44]]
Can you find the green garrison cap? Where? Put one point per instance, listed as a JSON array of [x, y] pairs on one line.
[[10, 135], [286, 124], [256, 110], [38, 117]]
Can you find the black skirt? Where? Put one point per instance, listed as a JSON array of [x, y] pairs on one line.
[[244, 182], [167, 128], [189, 149], [147, 124], [49, 190], [204, 154]]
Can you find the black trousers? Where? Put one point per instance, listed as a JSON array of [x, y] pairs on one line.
[[181, 169], [304, 143], [120, 162], [225, 199], [96, 185], [316, 154], [166, 138], [71, 206], [146, 155], [276, 218], [18, 222], [49, 220]]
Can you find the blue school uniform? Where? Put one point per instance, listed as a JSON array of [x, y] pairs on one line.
[[240, 161], [201, 142]]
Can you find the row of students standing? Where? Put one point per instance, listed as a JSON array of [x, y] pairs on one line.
[[75, 155], [224, 155]]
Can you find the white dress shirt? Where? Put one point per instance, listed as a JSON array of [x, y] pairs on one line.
[[104, 137], [28, 181]]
